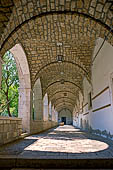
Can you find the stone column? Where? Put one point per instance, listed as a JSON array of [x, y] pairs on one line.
[[25, 97], [38, 104], [45, 107], [45, 112], [50, 111], [53, 113], [24, 109], [56, 116]]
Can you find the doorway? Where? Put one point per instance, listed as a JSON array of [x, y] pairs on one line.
[[64, 120]]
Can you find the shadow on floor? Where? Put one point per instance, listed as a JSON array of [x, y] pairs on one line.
[[56, 149], [60, 143], [15, 148]]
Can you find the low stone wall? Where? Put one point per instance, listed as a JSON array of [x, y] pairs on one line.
[[39, 126], [10, 129]]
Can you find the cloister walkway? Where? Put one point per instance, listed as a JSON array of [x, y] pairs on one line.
[[63, 142]]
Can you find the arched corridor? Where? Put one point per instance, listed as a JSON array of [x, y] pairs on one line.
[[65, 115], [63, 51]]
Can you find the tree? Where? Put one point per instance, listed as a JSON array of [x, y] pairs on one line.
[[9, 86]]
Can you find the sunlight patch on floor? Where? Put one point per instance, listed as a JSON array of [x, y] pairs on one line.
[[68, 146]]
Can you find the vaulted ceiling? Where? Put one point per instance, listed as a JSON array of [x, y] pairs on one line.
[[5, 13], [46, 29]]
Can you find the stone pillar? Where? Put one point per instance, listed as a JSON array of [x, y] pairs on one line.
[[56, 116], [24, 109], [38, 109], [50, 111], [45, 108], [45, 112], [53, 113], [38, 104], [24, 105]]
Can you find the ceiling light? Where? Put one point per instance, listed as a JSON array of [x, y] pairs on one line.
[[59, 58], [59, 44], [65, 94], [61, 73], [62, 81]]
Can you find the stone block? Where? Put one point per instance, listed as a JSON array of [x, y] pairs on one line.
[[1, 121], [19, 122], [20, 132], [12, 122], [8, 121], [15, 134], [6, 128], [19, 126], [1, 128], [1, 138], [4, 121], [9, 135], [99, 7], [14, 126], [10, 127], [4, 137]]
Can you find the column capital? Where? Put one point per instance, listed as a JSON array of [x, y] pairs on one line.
[[24, 88]]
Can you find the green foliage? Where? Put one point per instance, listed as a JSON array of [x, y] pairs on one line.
[[9, 87]]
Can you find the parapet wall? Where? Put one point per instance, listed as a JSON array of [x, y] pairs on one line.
[[39, 126], [10, 129]]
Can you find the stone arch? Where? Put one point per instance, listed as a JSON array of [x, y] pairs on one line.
[[25, 86], [94, 10], [67, 106], [38, 102], [55, 64], [65, 112]]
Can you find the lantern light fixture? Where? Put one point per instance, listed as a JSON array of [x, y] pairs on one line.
[[60, 58]]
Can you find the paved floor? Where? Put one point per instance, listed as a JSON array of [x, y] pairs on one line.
[[64, 142]]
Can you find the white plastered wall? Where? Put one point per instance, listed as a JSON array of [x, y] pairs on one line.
[[100, 116]]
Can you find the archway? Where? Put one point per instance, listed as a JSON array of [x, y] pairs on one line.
[[65, 116], [25, 86], [9, 86]]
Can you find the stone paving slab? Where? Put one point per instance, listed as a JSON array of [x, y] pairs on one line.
[[62, 147], [63, 142]]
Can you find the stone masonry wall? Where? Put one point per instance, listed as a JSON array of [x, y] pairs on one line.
[[10, 129], [39, 126]]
